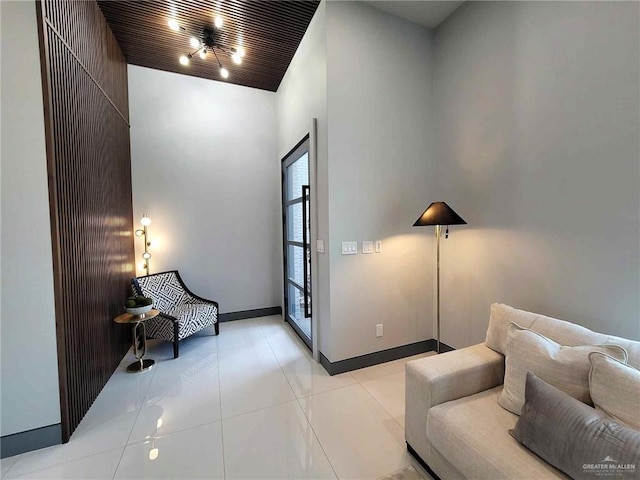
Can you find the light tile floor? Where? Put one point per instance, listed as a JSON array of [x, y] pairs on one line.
[[248, 404]]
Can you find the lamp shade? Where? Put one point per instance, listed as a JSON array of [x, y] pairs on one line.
[[439, 213]]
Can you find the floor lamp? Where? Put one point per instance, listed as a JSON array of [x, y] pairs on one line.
[[439, 214]]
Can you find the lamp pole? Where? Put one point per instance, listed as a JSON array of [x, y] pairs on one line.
[[438, 227]]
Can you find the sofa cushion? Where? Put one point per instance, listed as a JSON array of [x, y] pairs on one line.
[[566, 368], [559, 331], [472, 434], [615, 389], [573, 436]]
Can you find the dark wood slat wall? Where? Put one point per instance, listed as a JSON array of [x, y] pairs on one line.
[[89, 166]]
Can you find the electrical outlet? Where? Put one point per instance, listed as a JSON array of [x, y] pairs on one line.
[[379, 330], [378, 246]]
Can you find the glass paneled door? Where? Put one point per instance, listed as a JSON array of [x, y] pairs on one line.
[[296, 236]]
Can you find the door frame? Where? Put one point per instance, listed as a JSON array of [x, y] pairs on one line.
[[285, 283]]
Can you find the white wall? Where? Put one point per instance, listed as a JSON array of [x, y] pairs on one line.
[[302, 96], [538, 114], [29, 382], [203, 156], [381, 170]]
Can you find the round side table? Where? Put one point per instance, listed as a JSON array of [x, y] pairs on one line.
[[139, 338]]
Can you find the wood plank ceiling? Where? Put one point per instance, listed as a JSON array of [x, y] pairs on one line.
[[269, 32]]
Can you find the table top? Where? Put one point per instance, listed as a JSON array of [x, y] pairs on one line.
[[128, 318]]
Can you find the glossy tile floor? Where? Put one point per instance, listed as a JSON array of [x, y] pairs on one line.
[[249, 404]]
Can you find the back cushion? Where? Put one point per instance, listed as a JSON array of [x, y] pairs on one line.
[[164, 288], [559, 331]]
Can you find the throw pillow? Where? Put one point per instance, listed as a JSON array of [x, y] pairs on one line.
[[574, 437], [566, 368], [615, 389]]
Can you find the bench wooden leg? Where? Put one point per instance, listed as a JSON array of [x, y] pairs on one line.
[[217, 328]]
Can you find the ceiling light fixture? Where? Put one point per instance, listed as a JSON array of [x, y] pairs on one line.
[[210, 42]]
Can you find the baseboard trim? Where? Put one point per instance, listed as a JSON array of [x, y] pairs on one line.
[[419, 459], [370, 359], [35, 439], [241, 315]]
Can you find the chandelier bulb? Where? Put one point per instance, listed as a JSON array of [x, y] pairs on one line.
[[184, 60], [237, 59], [218, 22], [240, 51], [174, 25], [224, 72], [195, 43], [203, 53]]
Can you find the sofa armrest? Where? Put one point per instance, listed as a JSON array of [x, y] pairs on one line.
[[441, 378]]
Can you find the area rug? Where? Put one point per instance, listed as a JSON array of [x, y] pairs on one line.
[[407, 473]]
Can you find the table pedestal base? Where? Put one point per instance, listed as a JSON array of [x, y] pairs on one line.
[[141, 365]]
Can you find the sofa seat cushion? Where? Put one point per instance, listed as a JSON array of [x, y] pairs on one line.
[[473, 434]]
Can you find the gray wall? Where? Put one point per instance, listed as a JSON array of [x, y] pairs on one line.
[[381, 171], [537, 107], [203, 156], [29, 371], [302, 96]]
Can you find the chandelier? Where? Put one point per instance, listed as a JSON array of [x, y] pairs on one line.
[[209, 42]]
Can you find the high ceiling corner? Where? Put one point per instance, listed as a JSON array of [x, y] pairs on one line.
[[428, 13], [268, 31]]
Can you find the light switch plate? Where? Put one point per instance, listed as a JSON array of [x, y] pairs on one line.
[[349, 248], [378, 246], [320, 246], [367, 246]]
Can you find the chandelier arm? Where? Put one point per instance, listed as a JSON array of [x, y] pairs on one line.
[[216, 55], [225, 50], [192, 54]]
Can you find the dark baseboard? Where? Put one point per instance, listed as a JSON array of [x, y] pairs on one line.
[[35, 439], [419, 459], [444, 348], [258, 312], [370, 359]]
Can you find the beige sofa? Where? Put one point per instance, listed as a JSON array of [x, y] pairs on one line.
[[453, 421]]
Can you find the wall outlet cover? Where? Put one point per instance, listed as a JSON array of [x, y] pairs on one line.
[[320, 246], [379, 330], [378, 246]]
